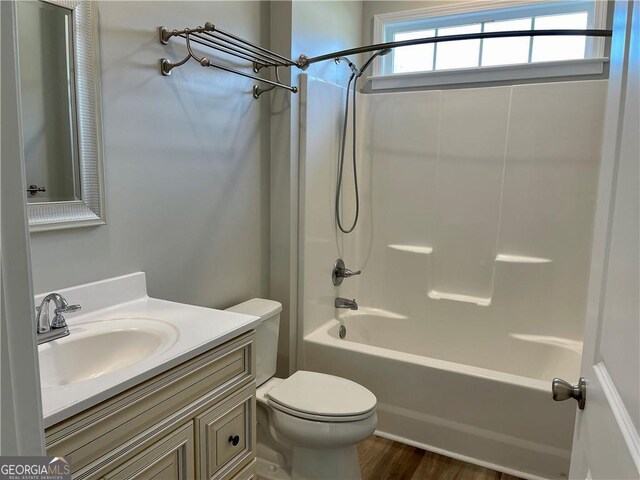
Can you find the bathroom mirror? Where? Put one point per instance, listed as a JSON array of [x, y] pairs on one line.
[[60, 113]]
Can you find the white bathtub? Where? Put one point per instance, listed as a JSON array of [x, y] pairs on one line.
[[491, 408]]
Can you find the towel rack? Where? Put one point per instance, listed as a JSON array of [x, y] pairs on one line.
[[218, 40]]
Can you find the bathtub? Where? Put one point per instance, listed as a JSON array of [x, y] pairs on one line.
[[489, 407]]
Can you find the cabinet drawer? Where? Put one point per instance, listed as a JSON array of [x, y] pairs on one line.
[[169, 458], [226, 436]]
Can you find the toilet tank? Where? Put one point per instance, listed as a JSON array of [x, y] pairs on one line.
[[266, 339]]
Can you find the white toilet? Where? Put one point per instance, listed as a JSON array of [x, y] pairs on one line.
[[310, 423]]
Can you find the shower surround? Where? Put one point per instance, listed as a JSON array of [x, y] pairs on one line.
[[474, 241]]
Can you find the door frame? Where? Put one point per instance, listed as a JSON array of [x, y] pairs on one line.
[[21, 402]]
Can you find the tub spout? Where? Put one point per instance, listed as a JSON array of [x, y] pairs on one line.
[[346, 303]]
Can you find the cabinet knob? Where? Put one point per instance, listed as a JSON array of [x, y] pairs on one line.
[[234, 440]]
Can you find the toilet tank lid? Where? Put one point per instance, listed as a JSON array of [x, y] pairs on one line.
[[260, 307]]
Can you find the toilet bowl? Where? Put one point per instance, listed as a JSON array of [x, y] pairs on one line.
[[310, 423]]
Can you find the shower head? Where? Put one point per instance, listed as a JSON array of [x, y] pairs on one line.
[[379, 53], [354, 69]]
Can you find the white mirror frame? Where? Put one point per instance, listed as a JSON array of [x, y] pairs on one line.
[[90, 209]]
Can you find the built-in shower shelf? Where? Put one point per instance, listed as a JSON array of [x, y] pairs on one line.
[[481, 301], [423, 250], [504, 258], [458, 297]]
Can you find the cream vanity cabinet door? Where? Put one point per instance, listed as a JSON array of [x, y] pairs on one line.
[[226, 437], [170, 458]]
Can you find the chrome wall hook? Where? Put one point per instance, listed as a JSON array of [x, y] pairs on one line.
[[166, 66]]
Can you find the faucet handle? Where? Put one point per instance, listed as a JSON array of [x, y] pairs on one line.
[[68, 308], [340, 272], [58, 319], [346, 273]]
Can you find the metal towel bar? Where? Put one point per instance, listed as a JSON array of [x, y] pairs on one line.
[[220, 41]]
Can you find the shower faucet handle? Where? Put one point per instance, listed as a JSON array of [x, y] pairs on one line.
[[340, 272], [350, 273]]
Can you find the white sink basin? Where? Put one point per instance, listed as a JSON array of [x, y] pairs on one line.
[[94, 349], [123, 337]]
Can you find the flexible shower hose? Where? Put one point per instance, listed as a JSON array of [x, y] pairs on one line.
[[354, 79]]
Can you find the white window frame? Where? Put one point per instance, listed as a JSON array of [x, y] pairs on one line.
[[474, 12]]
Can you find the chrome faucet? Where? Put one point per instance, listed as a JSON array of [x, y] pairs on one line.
[[346, 303], [341, 272], [57, 328]]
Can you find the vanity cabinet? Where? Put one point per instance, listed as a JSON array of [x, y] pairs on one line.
[[194, 421]]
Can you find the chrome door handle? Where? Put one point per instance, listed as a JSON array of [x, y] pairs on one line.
[[563, 390]]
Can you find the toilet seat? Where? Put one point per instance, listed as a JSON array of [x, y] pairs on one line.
[[320, 418], [321, 397]]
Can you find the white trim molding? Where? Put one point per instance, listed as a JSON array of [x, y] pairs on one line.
[[620, 413], [461, 76]]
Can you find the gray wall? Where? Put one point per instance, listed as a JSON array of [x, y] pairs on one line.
[[186, 165], [321, 27]]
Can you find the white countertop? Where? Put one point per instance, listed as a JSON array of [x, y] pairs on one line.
[[193, 330]]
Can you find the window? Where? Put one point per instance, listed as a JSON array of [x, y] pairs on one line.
[[493, 55]]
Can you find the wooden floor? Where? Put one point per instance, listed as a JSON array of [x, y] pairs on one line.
[[382, 459]]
